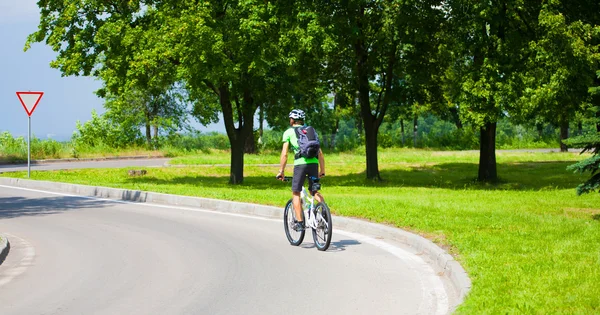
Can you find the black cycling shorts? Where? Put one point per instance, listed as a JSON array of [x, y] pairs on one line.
[[301, 172]]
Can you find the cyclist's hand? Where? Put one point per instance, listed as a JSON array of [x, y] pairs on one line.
[[280, 176], [322, 175]]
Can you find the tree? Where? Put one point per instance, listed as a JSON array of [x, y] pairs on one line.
[[488, 48], [227, 53], [589, 143], [165, 111], [563, 64], [102, 130], [374, 42]]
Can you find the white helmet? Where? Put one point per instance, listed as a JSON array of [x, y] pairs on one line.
[[297, 114]]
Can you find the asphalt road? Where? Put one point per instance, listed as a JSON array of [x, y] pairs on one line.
[[87, 164], [76, 255]]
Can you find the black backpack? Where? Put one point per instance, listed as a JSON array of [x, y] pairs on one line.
[[308, 142]]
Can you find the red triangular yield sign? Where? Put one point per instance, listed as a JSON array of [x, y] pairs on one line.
[[29, 100]]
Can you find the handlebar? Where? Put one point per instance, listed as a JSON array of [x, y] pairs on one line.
[[289, 178], [285, 179]]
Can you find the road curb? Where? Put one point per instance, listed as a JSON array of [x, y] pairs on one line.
[[4, 248], [445, 264]]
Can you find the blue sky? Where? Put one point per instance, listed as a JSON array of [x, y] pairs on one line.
[[65, 100]]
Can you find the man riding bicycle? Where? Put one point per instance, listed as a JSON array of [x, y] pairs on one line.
[[303, 166]]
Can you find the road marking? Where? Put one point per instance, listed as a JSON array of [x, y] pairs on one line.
[[434, 299], [28, 255]]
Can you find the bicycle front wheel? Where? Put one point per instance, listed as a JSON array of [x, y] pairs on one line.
[[294, 236], [322, 234]]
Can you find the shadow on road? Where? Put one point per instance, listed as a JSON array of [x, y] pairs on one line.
[[341, 245], [12, 207], [338, 246]]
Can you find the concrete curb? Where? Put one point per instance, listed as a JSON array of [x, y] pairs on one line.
[[442, 261], [110, 158], [4, 248]]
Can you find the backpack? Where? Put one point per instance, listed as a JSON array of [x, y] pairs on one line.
[[308, 142]]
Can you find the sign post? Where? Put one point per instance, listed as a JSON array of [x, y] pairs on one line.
[[30, 101]]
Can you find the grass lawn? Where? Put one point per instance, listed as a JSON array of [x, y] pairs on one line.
[[529, 243]]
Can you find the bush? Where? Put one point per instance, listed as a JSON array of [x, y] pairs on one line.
[[10, 146], [271, 140], [101, 131], [347, 137]]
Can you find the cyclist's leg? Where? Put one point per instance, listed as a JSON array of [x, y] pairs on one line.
[[297, 183], [313, 171]]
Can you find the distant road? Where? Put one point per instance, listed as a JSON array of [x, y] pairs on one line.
[[158, 162], [152, 162]]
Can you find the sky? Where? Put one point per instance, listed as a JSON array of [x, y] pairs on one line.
[[66, 99]]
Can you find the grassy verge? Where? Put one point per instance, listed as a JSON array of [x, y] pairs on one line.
[[529, 244], [389, 156]]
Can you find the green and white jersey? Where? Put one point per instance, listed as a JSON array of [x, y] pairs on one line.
[[290, 136]]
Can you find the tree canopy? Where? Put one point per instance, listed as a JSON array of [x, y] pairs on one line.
[[468, 61]]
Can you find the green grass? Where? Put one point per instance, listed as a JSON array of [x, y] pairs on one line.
[[529, 244], [392, 156]]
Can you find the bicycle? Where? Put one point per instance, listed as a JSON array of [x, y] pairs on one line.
[[317, 217]]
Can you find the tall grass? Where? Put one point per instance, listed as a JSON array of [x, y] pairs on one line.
[[14, 149]]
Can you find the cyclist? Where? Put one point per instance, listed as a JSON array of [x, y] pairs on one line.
[[303, 167]]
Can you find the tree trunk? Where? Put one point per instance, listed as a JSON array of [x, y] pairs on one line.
[[564, 134], [487, 154], [371, 131], [261, 118], [333, 134], [370, 123], [415, 130], [402, 131], [540, 130], [237, 136], [250, 147], [456, 117], [598, 121], [236, 173], [359, 126], [148, 134], [580, 128]]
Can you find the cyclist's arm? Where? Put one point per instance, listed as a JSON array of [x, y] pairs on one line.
[[284, 157], [321, 163]]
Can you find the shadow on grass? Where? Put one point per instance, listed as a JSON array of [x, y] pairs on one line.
[[12, 207], [513, 176]]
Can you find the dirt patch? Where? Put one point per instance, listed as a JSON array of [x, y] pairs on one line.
[[582, 213]]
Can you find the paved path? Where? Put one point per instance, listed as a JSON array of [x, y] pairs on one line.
[[157, 162], [76, 255]]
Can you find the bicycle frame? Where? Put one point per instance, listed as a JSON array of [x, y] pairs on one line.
[[308, 204], [318, 221]]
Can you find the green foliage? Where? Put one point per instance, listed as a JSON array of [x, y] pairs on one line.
[[16, 148], [347, 137], [271, 140], [102, 131], [563, 63], [589, 143]]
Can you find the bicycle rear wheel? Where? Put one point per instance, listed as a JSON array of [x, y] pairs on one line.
[[322, 234], [294, 236]]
